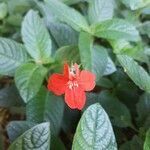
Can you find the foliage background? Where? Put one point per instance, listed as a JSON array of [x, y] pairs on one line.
[[116, 50]]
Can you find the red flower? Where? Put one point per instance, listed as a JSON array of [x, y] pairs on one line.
[[73, 83]]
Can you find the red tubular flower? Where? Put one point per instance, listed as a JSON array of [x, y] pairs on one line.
[[73, 83]]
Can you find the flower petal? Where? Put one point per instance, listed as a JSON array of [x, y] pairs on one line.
[[66, 70], [75, 98], [87, 80], [57, 84]]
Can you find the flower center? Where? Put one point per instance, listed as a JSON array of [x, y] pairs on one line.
[[72, 84], [72, 71]]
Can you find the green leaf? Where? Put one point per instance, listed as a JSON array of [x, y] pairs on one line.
[[104, 82], [86, 49], [120, 45], [35, 107], [68, 15], [14, 20], [135, 72], [46, 107], [145, 28], [126, 90], [67, 54], [116, 110], [12, 55], [136, 4], [17, 128], [125, 48], [146, 124], [3, 10], [29, 78], [71, 2], [115, 29], [54, 108], [36, 138], [143, 108], [63, 34], [10, 97], [94, 131], [146, 11], [110, 67], [100, 10], [36, 37], [93, 58], [147, 141], [18, 7], [137, 53]]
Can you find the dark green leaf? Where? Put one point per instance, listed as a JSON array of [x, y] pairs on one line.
[[54, 109], [135, 144], [70, 119], [104, 82], [12, 55], [1, 142], [94, 131], [67, 54], [63, 34], [147, 141], [29, 78], [117, 111], [9, 97], [14, 20], [115, 29], [146, 124], [46, 107], [57, 144], [125, 91], [143, 107], [71, 2], [35, 107], [36, 37], [38, 137]]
